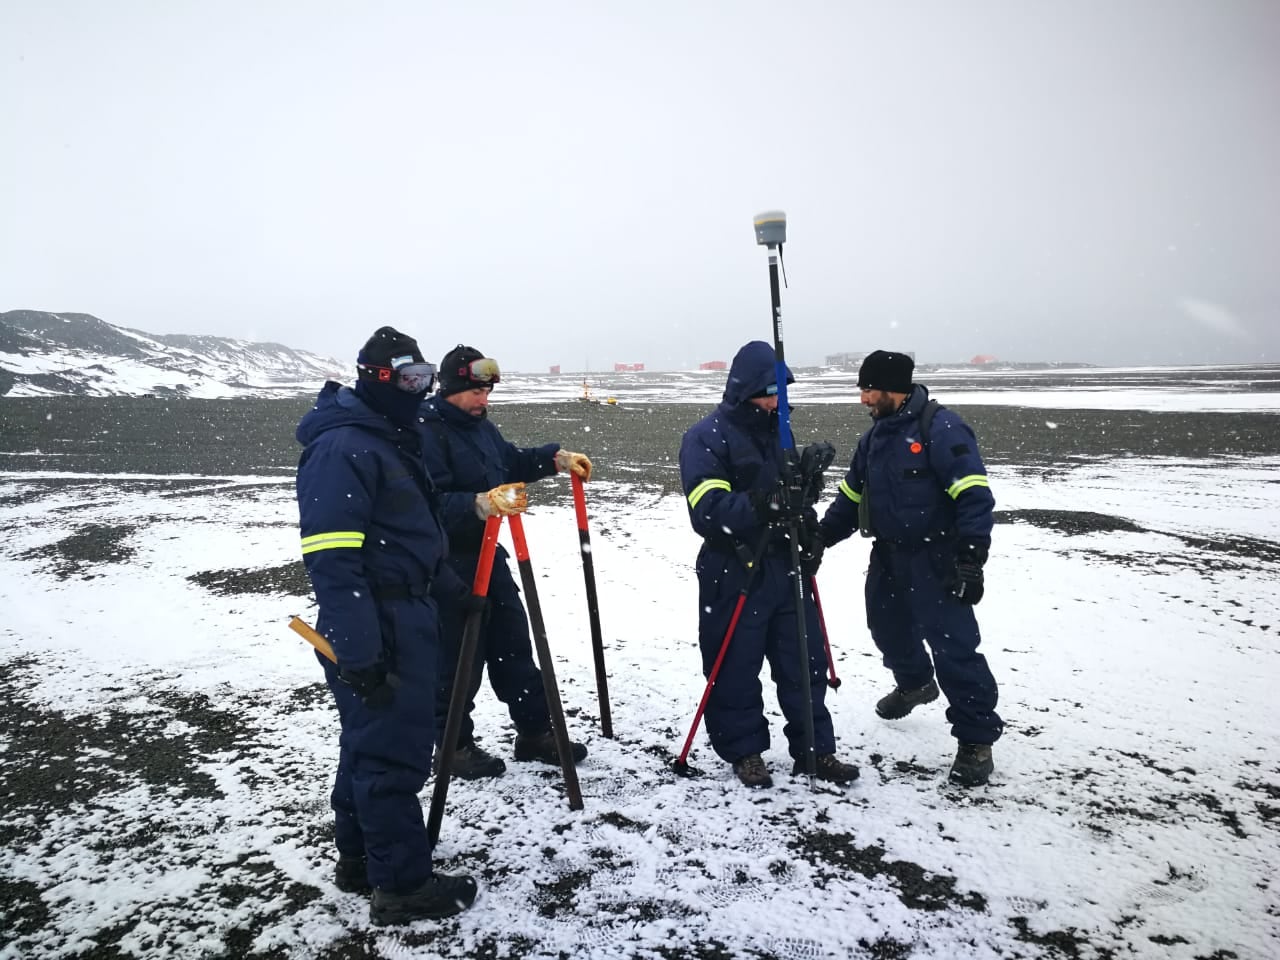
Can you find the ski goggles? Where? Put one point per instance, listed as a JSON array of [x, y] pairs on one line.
[[409, 377], [770, 391], [483, 371]]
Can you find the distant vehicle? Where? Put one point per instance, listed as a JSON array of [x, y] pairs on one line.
[[588, 398]]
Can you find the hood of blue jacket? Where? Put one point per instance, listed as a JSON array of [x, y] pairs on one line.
[[338, 406], [751, 371]]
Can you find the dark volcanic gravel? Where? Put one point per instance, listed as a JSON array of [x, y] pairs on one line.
[[247, 437]]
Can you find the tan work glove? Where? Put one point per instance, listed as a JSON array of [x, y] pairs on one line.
[[577, 462], [503, 501]]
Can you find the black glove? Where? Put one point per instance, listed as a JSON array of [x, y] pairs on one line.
[[470, 603], [377, 687], [814, 460], [772, 506], [966, 584], [811, 555]]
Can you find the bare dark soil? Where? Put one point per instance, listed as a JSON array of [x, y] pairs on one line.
[[246, 437]]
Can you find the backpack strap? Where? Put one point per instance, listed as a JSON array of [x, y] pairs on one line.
[[925, 420]]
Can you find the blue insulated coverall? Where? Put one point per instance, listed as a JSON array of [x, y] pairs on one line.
[[467, 455], [923, 496], [723, 457], [372, 544]]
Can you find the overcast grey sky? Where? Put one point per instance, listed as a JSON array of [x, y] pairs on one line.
[[574, 183]]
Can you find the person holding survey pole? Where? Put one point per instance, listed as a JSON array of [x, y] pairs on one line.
[[480, 473], [730, 466]]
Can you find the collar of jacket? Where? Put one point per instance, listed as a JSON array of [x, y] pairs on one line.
[[750, 417], [451, 415], [915, 402], [363, 415]]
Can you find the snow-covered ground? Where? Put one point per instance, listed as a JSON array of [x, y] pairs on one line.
[[167, 747]]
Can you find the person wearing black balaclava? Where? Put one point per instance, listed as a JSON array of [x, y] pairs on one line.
[[475, 467], [918, 485], [374, 548]]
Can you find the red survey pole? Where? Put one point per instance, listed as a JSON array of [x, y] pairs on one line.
[[461, 678]]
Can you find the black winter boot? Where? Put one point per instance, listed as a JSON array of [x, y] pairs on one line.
[[973, 765], [901, 702], [350, 874], [751, 770], [828, 768], [472, 762], [439, 896], [542, 746]]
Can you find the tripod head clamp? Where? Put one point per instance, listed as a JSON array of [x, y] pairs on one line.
[[771, 228]]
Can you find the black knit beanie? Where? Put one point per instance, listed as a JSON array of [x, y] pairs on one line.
[[388, 347], [882, 370], [455, 370]]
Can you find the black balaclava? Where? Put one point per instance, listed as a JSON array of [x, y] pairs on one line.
[[388, 347]]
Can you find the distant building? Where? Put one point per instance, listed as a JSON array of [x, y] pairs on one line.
[[713, 365], [982, 359], [852, 361], [845, 361], [555, 369], [628, 367]]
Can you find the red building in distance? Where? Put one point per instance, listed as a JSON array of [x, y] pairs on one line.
[[713, 365]]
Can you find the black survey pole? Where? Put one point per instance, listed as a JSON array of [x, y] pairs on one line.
[[461, 681], [771, 232], [593, 604], [549, 687]]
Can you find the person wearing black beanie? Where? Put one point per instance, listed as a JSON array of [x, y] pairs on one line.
[[482, 473], [917, 484], [374, 547]]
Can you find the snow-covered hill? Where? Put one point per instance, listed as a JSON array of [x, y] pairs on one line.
[[43, 354]]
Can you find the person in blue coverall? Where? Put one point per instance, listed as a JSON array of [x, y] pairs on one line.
[[927, 502], [730, 466], [374, 546], [467, 455]]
